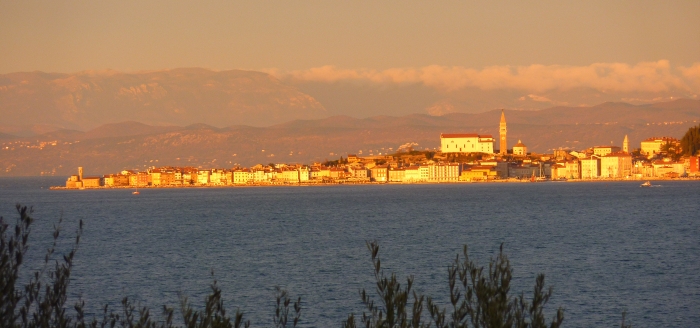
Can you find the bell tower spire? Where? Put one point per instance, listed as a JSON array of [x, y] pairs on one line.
[[502, 132]]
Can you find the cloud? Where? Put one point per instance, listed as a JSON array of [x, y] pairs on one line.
[[656, 76], [692, 74]]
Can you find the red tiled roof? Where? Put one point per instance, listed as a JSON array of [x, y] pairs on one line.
[[459, 135], [618, 154]]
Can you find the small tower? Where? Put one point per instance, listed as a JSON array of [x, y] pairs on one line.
[[502, 132], [80, 173], [626, 145]]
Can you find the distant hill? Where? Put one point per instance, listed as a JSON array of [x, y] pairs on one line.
[[170, 97], [132, 145]]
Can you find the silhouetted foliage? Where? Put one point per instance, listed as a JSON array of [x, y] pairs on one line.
[[478, 299]]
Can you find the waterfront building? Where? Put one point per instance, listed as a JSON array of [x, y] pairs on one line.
[[203, 177], [668, 169], [360, 173], [289, 175], [396, 174], [109, 180], [155, 177], [304, 173], [91, 182], [259, 175], [520, 149], [444, 172], [217, 177], [466, 143], [380, 173], [75, 181], [559, 171], [502, 133], [242, 176], [573, 169], [412, 174], [524, 171], [616, 165], [590, 167], [336, 173], [478, 173], [693, 165]]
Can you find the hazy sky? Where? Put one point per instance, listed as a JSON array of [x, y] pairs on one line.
[[70, 36]]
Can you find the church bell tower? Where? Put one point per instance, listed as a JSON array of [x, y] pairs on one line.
[[502, 131]]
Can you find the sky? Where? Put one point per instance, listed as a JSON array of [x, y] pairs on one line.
[[645, 49], [70, 36]]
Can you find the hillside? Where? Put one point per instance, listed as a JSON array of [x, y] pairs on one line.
[[170, 97], [133, 145]]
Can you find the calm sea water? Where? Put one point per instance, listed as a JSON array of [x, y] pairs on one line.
[[604, 247]]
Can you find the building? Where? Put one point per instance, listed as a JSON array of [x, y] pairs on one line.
[[478, 173], [559, 172], [626, 145], [590, 167], [203, 177], [502, 132], [652, 146], [242, 176], [520, 149], [693, 165], [668, 169], [412, 174], [380, 173], [605, 150], [444, 172], [75, 181], [573, 169], [616, 165], [91, 182], [396, 174], [466, 143]]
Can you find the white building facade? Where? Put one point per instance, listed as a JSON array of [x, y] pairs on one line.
[[466, 143]]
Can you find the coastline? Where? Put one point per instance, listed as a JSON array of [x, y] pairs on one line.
[[318, 184]]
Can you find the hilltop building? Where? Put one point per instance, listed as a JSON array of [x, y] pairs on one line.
[[502, 131], [466, 143], [652, 146], [605, 150], [520, 149]]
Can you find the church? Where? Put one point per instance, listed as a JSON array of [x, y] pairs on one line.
[[466, 143], [473, 143]]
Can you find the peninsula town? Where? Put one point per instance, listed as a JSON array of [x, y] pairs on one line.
[[462, 157]]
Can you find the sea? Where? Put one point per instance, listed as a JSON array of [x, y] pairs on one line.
[[604, 247]]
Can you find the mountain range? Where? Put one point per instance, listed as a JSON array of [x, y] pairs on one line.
[[132, 145], [30, 100]]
